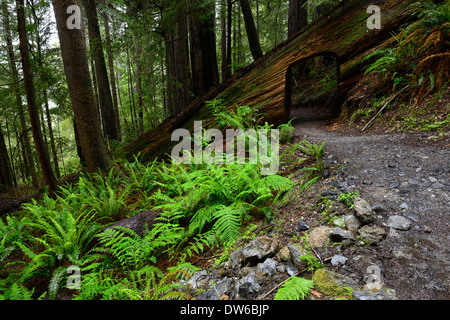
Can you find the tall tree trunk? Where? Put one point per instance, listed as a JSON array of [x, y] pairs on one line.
[[252, 33], [51, 135], [112, 75], [6, 177], [177, 62], [73, 51], [298, 16], [41, 148], [205, 71], [25, 139], [104, 89], [140, 98]]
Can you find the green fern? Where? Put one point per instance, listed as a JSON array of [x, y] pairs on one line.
[[294, 289]]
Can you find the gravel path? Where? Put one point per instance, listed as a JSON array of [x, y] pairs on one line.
[[400, 175]]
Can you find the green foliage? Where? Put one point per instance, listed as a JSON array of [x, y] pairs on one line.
[[348, 198], [243, 117], [420, 57], [215, 197], [294, 289], [286, 131]]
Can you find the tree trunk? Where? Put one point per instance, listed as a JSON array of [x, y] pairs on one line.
[[6, 178], [112, 76], [205, 72], [252, 33], [25, 139], [298, 16], [41, 148], [76, 68], [177, 62], [104, 89], [140, 98]]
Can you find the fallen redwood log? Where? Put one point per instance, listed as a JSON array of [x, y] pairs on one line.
[[262, 84]]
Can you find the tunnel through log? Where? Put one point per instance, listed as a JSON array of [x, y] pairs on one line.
[[312, 87]]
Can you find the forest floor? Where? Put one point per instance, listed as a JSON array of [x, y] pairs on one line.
[[405, 174]]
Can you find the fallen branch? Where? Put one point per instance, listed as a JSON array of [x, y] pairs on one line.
[[281, 283], [384, 107]]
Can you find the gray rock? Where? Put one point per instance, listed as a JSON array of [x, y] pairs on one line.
[[352, 223], [387, 294], [259, 249], [338, 260], [339, 235], [399, 223], [198, 279], [296, 252], [363, 211], [247, 285], [372, 234], [432, 179], [302, 226], [269, 267], [137, 223], [437, 185], [220, 288], [291, 269]]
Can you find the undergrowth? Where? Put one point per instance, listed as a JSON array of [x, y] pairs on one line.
[[200, 207]]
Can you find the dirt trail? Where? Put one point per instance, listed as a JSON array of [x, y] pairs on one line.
[[402, 174]]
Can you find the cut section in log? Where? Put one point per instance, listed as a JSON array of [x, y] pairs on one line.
[[262, 84]]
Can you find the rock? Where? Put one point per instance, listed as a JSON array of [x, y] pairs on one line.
[[319, 237], [269, 267], [378, 208], [372, 234], [338, 260], [399, 223], [351, 222], [198, 279], [302, 226], [339, 235], [259, 249], [432, 179], [367, 182], [236, 260], [339, 222], [296, 253], [247, 285], [137, 223], [223, 287], [386, 294], [291, 269], [404, 206], [284, 254], [437, 185], [333, 284], [363, 211]]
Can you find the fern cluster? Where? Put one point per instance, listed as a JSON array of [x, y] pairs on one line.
[[421, 57], [294, 289]]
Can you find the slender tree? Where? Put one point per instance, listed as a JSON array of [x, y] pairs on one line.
[[41, 148], [23, 137], [252, 33], [6, 177], [104, 89], [76, 67]]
